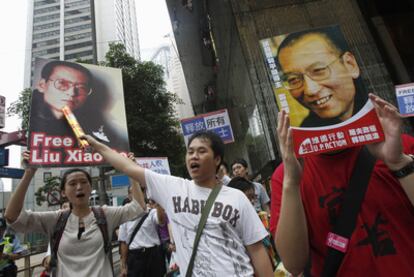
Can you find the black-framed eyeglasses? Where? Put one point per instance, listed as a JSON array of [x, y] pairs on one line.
[[317, 72], [64, 85]]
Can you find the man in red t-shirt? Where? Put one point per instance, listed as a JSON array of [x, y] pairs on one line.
[[306, 198]]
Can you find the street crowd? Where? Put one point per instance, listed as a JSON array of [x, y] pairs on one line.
[[216, 224]]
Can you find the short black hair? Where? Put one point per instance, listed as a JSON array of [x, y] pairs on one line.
[[226, 166], [70, 171], [240, 183], [330, 34], [50, 66], [241, 161], [126, 201], [216, 143]]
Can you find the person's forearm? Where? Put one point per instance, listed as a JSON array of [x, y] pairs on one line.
[[14, 256], [291, 237], [407, 181], [260, 260], [124, 253], [407, 184], [16, 201], [137, 193], [121, 163]]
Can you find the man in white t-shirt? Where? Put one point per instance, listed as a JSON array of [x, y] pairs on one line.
[[261, 203], [144, 256], [231, 241], [223, 174]]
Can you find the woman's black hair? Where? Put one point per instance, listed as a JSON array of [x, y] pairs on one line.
[[70, 171]]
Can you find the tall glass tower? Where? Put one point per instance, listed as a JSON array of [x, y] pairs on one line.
[[79, 29]]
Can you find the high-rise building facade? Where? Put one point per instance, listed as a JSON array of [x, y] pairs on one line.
[[167, 56], [79, 30]]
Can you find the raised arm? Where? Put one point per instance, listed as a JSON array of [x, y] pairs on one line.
[[17, 199], [118, 161], [291, 237], [136, 190], [391, 150]]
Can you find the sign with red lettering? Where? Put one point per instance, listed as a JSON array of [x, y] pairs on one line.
[[95, 96]]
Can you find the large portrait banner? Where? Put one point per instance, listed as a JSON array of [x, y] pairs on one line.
[[94, 97], [317, 79]]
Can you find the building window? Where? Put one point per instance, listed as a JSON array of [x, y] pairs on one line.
[[78, 11], [78, 55], [78, 36], [77, 28], [78, 45], [46, 17]]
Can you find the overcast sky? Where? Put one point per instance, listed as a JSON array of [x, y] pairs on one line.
[[153, 25]]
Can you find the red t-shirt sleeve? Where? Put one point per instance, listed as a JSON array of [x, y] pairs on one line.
[[277, 183], [408, 144]]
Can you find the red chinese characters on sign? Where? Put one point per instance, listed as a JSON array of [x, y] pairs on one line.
[[365, 129]]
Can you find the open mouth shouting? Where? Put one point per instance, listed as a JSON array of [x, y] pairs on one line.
[[194, 166], [80, 195]]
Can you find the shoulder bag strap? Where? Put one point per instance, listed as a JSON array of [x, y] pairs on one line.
[[57, 236], [351, 205], [137, 227], [103, 226], [204, 215]]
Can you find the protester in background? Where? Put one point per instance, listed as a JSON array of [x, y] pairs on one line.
[[11, 250], [231, 240], [141, 254], [247, 188], [261, 203], [81, 250], [223, 173], [308, 195], [163, 232]]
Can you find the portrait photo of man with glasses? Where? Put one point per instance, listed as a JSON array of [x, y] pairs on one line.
[[318, 69], [93, 93]]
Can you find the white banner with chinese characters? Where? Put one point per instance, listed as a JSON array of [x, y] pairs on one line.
[[217, 122]]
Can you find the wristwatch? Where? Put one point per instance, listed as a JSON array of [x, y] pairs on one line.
[[406, 170]]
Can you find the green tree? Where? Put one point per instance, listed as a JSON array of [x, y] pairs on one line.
[[21, 108], [153, 127]]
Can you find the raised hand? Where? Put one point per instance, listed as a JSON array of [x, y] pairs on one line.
[[25, 162], [292, 166], [390, 150], [91, 140], [131, 156]]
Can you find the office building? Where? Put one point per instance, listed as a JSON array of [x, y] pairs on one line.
[[78, 30]]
